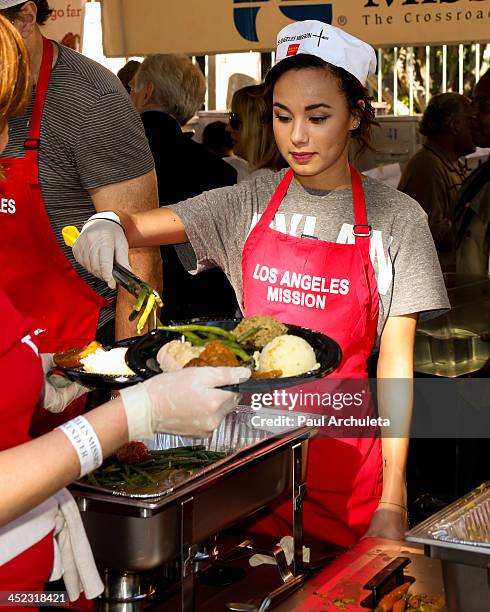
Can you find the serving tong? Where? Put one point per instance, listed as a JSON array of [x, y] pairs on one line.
[[147, 298]]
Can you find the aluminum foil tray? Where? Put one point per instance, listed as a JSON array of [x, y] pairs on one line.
[[135, 533], [234, 436], [464, 524]]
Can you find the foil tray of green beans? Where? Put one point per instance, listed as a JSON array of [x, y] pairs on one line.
[[190, 459], [162, 470]]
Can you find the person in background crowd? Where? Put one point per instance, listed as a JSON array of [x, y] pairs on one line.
[[127, 72], [217, 138], [251, 130], [473, 205], [78, 148], [282, 234], [434, 174], [32, 472], [168, 90]]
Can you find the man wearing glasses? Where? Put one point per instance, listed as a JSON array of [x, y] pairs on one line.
[[473, 206]]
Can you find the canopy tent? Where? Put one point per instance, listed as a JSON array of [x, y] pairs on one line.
[[195, 27]]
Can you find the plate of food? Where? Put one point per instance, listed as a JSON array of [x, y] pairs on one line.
[[279, 355], [97, 366]]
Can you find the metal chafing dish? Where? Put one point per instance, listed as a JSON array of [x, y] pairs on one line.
[[458, 342], [459, 536], [133, 534]]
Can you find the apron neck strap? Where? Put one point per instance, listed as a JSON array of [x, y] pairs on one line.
[[360, 214], [362, 231], [32, 141]]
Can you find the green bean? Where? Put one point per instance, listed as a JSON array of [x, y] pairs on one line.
[[150, 305], [112, 468], [208, 329], [197, 447], [239, 352], [194, 339], [144, 474], [158, 299], [92, 479], [216, 456], [164, 465], [212, 333], [138, 305], [246, 335]]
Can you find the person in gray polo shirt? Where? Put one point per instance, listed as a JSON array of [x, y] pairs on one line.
[[90, 154]]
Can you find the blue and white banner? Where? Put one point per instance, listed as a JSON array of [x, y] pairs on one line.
[[138, 27]]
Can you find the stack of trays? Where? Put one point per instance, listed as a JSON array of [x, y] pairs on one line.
[[459, 536]]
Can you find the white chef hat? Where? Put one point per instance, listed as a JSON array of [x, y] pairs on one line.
[[329, 43], [8, 3]]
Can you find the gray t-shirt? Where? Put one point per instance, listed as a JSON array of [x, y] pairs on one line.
[[91, 137], [402, 250]]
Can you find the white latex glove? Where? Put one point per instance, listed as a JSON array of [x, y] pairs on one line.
[[185, 402], [59, 392], [102, 240]]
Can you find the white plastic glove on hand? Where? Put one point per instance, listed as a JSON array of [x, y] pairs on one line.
[[59, 392], [102, 240], [185, 402]]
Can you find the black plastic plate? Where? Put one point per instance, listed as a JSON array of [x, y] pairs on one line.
[[141, 355], [100, 381]]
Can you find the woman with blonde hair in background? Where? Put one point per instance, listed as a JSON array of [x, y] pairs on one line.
[[250, 126], [34, 472], [167, 91]]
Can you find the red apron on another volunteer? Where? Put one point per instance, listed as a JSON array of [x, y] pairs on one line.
[[19, 363], [36, 275], [340, 501]]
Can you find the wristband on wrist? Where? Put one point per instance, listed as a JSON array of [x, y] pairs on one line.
[[85, 442], [105, 216]]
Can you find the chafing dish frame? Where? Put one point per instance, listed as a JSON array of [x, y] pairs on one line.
[[183, 498]]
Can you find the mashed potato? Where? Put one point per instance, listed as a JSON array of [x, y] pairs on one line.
[[290, 354], [107, 363], [175, 354]]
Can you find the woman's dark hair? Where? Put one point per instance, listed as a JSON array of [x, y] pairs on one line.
[[356, 95], [43, 11], [127, 72]]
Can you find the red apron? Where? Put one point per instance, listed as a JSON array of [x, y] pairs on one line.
[[36, 275], [19, 363], [344, 476]]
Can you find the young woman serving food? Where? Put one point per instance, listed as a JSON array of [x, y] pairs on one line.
[[363, 251]]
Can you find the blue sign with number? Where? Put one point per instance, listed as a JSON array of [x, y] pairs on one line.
[[245, 16]]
